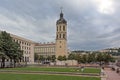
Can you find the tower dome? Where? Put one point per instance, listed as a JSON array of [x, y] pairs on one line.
[[61, 20]]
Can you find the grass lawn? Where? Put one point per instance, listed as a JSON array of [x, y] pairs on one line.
[[6, 76], [86, 70]]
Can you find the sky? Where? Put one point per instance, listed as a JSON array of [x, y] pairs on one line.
[[91, 24]]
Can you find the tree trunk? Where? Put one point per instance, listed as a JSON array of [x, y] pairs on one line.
[[14, 63], [10, 62], [3, 62]]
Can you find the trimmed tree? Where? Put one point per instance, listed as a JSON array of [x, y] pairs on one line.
[[53, 58], [60, 58], [10, 49]]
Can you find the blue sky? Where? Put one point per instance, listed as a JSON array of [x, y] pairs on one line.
[[92, 24]]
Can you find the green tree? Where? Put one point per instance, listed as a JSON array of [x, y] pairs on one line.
[[41, 58], [48, 58], [60, 58], [84, 58], [100, 58], [78, 57], [107, 58], [2, 56], [5, 45], [91, 57], [16, 53], [10, 48], [36, 57], [64, 58], [71, 57], [53, 58], [104, 58]]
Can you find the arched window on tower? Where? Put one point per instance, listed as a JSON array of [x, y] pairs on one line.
[[64, 36], [57, 36], [60, 28], [63, 28], [57, 28], [60, 36]]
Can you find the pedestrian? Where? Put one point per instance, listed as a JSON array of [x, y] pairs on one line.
[[102, 72], [82, 68], [117, 70], [103, 68]]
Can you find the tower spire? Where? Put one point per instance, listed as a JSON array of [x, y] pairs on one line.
[[61, 9], [61, 14], [61, 19]]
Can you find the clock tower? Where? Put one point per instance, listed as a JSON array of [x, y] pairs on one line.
[[61, 36]]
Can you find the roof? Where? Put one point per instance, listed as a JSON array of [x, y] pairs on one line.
[[61, 20], [44, 44]]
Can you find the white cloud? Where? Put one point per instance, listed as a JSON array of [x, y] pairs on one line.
[[39, 30], [91, 23], [105, 6]]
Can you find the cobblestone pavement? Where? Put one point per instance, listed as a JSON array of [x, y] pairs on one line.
[[110, 75]]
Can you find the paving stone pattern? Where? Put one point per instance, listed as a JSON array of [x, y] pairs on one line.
[[110, 75]]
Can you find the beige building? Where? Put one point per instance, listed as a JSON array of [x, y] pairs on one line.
[[61, 36], [27, 46], [45, 49], [59, 48], [109, 50]]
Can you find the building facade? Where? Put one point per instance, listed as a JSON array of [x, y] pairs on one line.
[[59, 48], [27, 46], [110, 50], [45, 49]]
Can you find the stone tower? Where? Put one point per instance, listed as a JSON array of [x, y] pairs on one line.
[[61, 36]]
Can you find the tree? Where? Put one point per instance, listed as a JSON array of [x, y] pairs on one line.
[[71, 57], [10, 49], [41, 58], [78, 57], [91, 57], [60, 58], [53, 58], [2, 56], [107, 58], [20, 55], [84, 58], [16, 52], [5, 42], [104, 58], [48, 58], [64, 58], [36, 57]]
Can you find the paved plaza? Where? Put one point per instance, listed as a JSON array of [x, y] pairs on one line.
[[110, 75]]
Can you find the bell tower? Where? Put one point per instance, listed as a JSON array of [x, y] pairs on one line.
[[61, 36]]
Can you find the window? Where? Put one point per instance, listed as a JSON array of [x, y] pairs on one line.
[[57, 28], [60, 46], [64, 36], [60, 35], [60, 28], [63, 28], [57, 36]]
